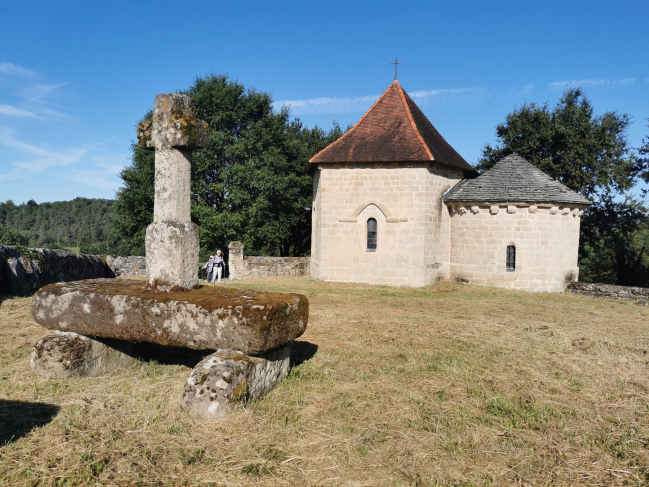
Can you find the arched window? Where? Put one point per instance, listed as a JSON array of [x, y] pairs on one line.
[[511, 258], [371, 235]]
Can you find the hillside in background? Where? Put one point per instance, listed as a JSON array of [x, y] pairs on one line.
[[83, 225]]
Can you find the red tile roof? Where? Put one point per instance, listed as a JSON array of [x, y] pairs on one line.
[[393, 130]]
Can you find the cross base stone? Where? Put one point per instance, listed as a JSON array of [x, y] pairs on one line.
[[172, 256]]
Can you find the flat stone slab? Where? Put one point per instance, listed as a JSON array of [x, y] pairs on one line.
[[67, 354], [209, 317], [228, 377]]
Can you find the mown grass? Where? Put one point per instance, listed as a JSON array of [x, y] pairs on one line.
[[445, 385]]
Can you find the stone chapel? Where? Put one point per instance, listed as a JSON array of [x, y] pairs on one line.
[[395, 204]]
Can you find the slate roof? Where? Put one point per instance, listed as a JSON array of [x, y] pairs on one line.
[[513, 179], [393, 130]]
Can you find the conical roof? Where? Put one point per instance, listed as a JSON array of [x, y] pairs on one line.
[[513, 179], [393, 130]]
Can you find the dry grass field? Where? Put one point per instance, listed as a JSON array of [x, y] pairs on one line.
[[445, 385]]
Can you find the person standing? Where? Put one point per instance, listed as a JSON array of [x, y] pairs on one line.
[[219, 263], [209, 265]]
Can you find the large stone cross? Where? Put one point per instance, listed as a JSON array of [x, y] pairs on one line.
[[172, 240]]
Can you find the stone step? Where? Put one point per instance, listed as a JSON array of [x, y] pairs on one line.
[[209, 317]]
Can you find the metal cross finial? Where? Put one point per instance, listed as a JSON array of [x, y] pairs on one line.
[[395, 67]]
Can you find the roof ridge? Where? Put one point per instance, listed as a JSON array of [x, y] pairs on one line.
[[415, 129], [357, 123]]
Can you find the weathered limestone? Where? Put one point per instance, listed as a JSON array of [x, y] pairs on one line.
[[172, 239], [67, 354], [252, 322], [228, 377]]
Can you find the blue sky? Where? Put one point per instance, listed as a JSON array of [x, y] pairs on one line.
[[75, 76]]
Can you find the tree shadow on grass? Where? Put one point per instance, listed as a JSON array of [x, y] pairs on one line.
[[18, 418], [302, 351]]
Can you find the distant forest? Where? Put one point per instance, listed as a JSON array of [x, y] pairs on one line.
[[85, 225]]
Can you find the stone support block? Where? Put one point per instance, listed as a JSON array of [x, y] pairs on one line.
[[228, 377], [250, 321], [68, 354], [172, 256]]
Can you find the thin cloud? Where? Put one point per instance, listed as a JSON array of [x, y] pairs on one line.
[[73, 163], [34, 104], [38, 91], [96, 178], [516, 92], [594, 82], [328, 105], [447, 91], [16, 112], [8, 68], [363, 103], [39, 159]]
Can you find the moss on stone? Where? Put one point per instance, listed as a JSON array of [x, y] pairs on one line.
[[240, 392], [205, 297]]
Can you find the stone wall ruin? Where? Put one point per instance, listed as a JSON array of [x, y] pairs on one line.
[[249, 267]]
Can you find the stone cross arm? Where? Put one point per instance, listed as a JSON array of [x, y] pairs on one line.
[[173, 124]]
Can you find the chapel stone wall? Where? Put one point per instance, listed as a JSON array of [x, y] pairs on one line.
[[546, 238], [405, 199], [437, 250]]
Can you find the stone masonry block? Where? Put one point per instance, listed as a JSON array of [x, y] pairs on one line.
[[172, 256], [253, 322], [172, 186]]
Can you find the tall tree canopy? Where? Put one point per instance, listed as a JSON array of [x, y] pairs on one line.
[[84, 224], [590, 155], [249, 183], [587, 153]]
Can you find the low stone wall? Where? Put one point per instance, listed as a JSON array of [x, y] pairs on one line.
[[241, 267], [24, 270], [131, 266], [626, 293]]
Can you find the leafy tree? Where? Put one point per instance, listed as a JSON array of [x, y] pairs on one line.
[[134, 201], [616, 241], [644, 151], [587, 153], [590, 155], [249, 183], [11, 236]]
